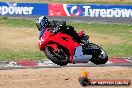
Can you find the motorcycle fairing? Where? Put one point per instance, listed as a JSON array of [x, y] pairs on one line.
[[58, 39]]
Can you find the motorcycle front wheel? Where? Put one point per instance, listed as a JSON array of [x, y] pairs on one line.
[[99, 58], [59, 58]]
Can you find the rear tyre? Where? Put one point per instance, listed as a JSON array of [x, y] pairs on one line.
[[99, 58], [59, 58]]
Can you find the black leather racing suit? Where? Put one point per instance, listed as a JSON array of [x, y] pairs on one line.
[[61, 26]]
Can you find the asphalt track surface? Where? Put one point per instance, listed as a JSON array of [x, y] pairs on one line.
[[111, 20], [24, 64], [70, 65], [95, 19]]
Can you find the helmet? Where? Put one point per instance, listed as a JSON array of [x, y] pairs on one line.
[[42, 22]]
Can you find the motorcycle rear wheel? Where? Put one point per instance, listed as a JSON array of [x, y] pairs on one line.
[[59, 58]]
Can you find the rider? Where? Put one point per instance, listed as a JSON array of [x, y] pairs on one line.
[[42, 23]]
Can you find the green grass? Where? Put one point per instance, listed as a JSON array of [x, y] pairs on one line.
[[122, 31], [116, 39], [21, 55], [121, 50], [16, 23]]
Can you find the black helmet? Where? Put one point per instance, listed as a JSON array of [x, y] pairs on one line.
[[42, 22]]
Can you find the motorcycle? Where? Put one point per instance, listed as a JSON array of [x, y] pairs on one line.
[[61, 49]]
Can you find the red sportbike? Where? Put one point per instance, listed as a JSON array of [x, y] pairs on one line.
[[61, 49]]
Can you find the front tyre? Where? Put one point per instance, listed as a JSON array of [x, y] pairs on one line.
[[59, 58], [100, 57]]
